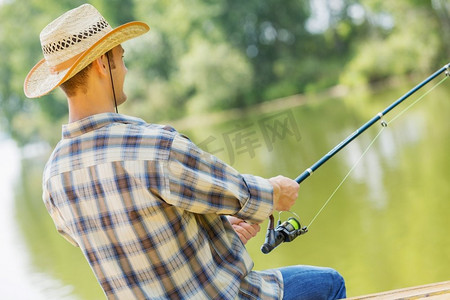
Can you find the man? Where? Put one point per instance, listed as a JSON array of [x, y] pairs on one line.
[[155, 216]]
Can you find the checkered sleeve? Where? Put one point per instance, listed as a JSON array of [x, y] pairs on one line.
[[201, 183], [57, 218]]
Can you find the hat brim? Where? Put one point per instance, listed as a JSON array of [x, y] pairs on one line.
[[41, 81]]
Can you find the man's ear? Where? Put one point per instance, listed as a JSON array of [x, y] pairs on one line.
[[101, 65]]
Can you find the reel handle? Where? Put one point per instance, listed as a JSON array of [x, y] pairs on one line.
[[273, 238], [284, 232]]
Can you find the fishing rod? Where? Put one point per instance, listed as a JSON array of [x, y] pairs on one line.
[[290, 229]]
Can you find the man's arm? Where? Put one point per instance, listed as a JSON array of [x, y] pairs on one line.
[[201, 183]]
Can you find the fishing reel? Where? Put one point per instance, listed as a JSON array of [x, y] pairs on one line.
[[284, 232]]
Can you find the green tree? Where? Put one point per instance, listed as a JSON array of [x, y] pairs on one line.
[[405, 36], [203, 55]]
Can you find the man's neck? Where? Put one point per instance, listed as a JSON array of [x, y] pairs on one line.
[[93, 98], [82, 107]]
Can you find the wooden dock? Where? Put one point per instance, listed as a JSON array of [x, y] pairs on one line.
[[434, 291]]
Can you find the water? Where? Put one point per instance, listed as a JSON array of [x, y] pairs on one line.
[[387, 227], [19, 279]]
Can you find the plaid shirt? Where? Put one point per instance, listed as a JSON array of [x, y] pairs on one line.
[[146, 206]]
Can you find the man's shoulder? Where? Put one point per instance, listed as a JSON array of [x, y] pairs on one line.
[[142, 135], [114, 142]]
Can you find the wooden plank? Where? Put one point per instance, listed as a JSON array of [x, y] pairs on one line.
[[433, 291]]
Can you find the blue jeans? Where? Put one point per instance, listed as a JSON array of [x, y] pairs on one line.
[[314, 283]]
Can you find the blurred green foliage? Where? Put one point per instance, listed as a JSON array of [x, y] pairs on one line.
[[202, 56]]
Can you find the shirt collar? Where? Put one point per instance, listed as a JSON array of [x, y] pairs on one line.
[[95, 122]]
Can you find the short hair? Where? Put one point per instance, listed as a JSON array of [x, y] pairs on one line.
[[79, 80]]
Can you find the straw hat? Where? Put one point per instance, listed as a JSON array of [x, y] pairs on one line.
[[70, 43]]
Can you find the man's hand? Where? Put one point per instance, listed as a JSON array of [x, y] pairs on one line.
[[244, 230], [285, 192]]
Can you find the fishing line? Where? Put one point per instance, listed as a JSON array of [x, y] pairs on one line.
[[346, 176], [420, 98], [290, 229], [384, 125]]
